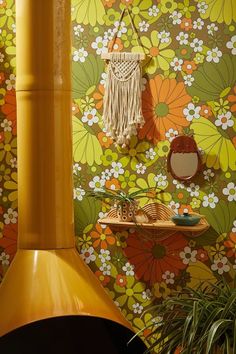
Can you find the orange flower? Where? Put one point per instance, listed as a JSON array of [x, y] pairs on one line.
[[231, 244], [99, 96], [112, 184], [206, 111], [163, 103], [116, 46], [74, 108], [104, 139], [2, 77], [9, 108], [185, 209], [189, 66], [121, 280], [186, 24], [202, 255], [108, 3], [152, 259], [104, 279], [232, 98], [102, 237], [9, 240]]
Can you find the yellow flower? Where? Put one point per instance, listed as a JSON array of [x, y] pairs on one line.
[[220, 11], [185, 9], [88, 12], [2, 96], [8, 148], [7, 14], [161, 290], [12, 186], [160, 56], [217, 252], [163, 148], [134, 153]]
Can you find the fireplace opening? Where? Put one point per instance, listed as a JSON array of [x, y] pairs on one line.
[[71, 335]]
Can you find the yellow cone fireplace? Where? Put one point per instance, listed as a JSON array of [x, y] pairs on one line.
[[50, 301]]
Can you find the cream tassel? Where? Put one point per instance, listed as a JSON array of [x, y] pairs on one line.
[[122, 114]]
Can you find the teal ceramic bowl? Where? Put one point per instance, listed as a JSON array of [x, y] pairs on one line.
[[186, 219]]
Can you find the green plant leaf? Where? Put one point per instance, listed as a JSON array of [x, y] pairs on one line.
[[213, 333], [86, 75], [86, 146]]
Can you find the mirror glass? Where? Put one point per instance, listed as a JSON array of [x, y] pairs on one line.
[[183, 159]]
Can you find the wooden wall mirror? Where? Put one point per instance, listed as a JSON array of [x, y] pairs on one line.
[[184, 160]]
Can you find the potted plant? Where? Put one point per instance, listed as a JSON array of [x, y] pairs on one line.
[[126, 203], [201, 321]]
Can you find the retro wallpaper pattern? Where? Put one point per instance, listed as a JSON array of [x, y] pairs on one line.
[[188, 87]]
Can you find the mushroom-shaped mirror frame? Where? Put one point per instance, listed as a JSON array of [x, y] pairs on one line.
[[180, 146]]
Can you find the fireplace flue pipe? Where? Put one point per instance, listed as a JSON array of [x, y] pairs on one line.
[[49, 298]]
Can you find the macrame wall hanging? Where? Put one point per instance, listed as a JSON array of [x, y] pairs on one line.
[[122, 113]]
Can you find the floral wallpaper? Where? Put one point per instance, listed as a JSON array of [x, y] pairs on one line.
[[188, 87]]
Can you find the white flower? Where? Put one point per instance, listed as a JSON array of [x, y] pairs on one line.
[[143, 26], [103, 79], [102, 215], [105, 269], [97, 183], [188, 255], [76, 168], [11, 82], [177, 64], [208, 174], [1, 57], [224, 120], [161, 180], [79, 193], [176, 17], [128, 269], [117, 169], [232, 45], [192, 112], [13, 26], [234, 226], [230, 191], [174, 206], [87, 255], [78, 29], [90, 117], [171, 134], [196, 45], [153, 11], [220, 265], [188, 80], [137, 308], [104, 255], [80, 55], [202, 7], [6, 125], [164, 36], [178, 184], [193, 189], [10, 216], [198, 23], [182, 38], [168, 277], [140, 168], [210, 200], [106, 175], [4, 258], [150, 154], [214, 55], [120, 27], [147, 294], [100, 45], [109, 34], [212, 28]]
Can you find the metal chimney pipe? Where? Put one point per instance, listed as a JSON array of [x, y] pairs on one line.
[[48, 287]]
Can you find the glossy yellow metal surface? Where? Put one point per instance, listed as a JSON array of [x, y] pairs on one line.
[[43, 44], [45, 170], [43, 284], [47, 277]]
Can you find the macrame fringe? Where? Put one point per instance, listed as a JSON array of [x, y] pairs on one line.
[[122, 114]]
